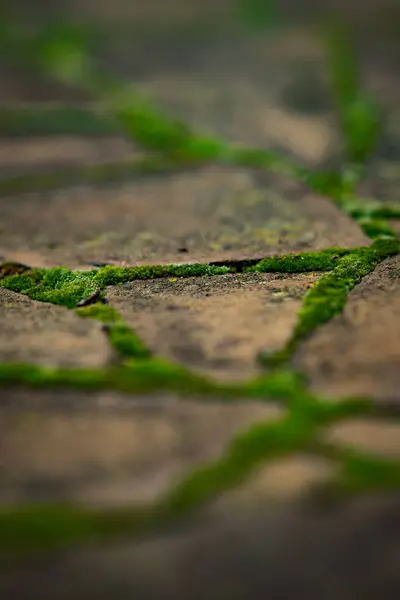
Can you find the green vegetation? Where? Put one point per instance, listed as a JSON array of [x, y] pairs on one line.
[[63, 54], [328, 296]]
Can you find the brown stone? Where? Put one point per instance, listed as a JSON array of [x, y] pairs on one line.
[[61, 151], [377, 438], [358, 352], [35, 332], [215, 214], [106, 449], [214, 325]]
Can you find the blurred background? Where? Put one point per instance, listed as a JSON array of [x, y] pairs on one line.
[[254, 72]]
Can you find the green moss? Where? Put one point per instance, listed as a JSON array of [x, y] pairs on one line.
[[325, 260], [376, 228], [360, 117], [117, 275], [121, 337], [366, 208], [31, 529], [139, 376], [64, 287], [328, 295], [58, 286], [359, 472], [65, 56]]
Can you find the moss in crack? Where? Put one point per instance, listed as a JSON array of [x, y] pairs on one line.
[[360, 117], [117, 275], [137, 376], [376, 228], [359, 472], [367, 208], [32, 529], [306, 262], [147, 376], [328, 295], [62, 286], [121, 337], [67, 288]]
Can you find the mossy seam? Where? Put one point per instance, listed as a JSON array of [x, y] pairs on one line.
[[328, 295]]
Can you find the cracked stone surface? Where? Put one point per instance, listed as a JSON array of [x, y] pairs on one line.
[[45, 334], [214, 325], [268, 537], [107, 449], [214, 214], [358, 352], [46, 153]]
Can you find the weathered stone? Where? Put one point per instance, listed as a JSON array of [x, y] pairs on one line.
[[40, 333], [106, 449], [60, 151], [213, 214], [358, 352], [214, 325]]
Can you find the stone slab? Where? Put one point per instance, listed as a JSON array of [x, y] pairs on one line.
[[39, 333], [211, 214], [106, 449], [214, 325], [54, 152], [358, 352]]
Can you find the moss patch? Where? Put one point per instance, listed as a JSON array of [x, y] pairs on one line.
[[67, 288], [64, 56], [31, 529], [121, 337], [307, 262], [359, 115], [328, 295]]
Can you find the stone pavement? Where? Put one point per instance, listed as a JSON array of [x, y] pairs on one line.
[[200, 369]]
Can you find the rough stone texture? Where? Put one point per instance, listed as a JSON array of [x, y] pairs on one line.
[[265, 539], [60, 151], [39, 333], [215, 325], [109, 449], [358, 352], [214, 214]]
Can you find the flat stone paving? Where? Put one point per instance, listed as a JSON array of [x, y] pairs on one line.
[[267, 537]]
